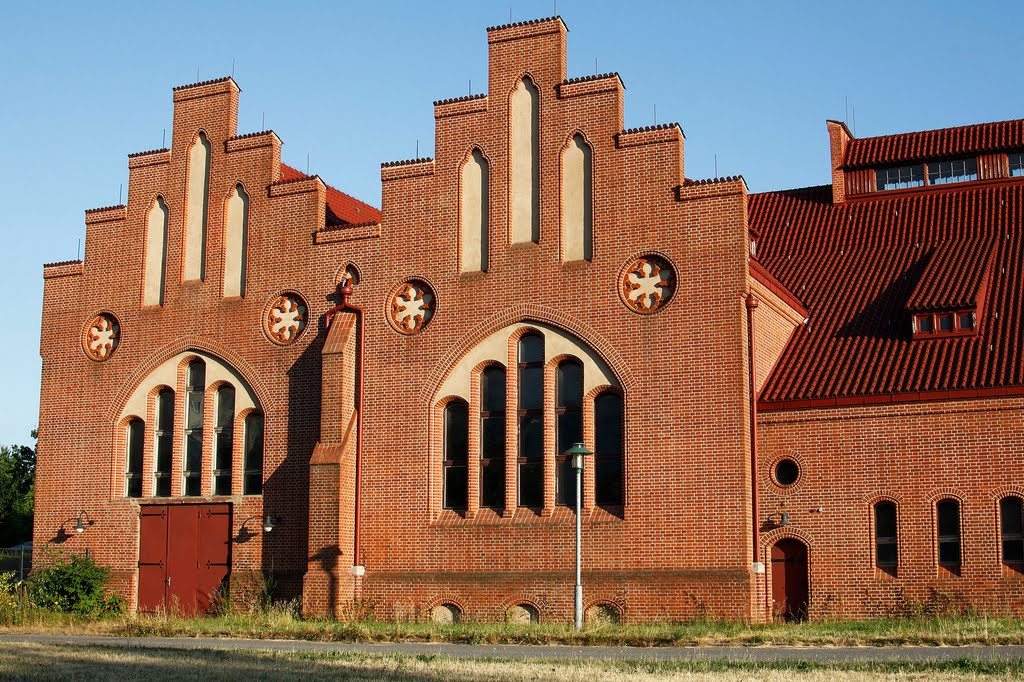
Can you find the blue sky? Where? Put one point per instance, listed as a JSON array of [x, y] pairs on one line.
[[352, 85]]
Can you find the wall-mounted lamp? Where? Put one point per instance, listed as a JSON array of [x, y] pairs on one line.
[[83, 519], [784, 520], [268, 523]]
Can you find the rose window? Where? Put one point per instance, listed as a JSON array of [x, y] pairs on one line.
[[285, 319], [647, 284], [411, 307], [102, 336]]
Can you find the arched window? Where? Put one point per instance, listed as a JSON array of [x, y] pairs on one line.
[[531, 421], [236, 239], [608, 450], [886, 537], [195, 393], [195, 211], [492, 437], [1011, 515], [947, 516], [164, 442], [569, 425], [136, 439], [253, 464], [456, 455], [474, 213], [577, 201], [525, 181], [156, 253], [224, 440]]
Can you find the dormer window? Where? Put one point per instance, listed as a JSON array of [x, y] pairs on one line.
[[1016, 165], [901, 177], [936, 324], [959, 170]]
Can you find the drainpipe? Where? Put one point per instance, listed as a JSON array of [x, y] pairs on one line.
[[344, 291], [755, 535]]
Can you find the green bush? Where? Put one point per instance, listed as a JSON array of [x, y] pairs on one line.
[[74, 585]]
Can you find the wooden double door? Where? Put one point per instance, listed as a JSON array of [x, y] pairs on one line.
[[184, 556]]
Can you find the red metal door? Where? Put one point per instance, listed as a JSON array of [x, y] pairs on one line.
[[152, 557], [184, 556], [789, 580]]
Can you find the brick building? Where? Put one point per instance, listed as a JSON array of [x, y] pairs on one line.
[[801, 403]]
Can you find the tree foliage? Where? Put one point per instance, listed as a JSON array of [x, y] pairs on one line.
[[17, 490]]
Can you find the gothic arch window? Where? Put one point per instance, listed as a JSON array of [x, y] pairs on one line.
[[531, 421], [577, 200], [456, 455], [195, 398], [492, 437], [236, 241], [568, 427], [608, 449], [474, 212], [524, 187], [196, 208], [135, 442], [164, 442], [224, 440], [156, 253], [253, 463]]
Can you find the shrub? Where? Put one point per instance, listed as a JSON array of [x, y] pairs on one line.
[[74, 585]]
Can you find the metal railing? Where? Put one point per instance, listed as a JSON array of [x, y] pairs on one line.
[[17, 560]]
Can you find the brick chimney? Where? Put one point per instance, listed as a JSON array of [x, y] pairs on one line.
[[839, 136]]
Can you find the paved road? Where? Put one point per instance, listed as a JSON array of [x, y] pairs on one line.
[[511, 651]]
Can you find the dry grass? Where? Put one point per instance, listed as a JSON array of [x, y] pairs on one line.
[[48, 662]]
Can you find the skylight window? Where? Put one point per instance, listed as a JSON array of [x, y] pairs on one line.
[[902, 177], [1016, 165], [945, 172]]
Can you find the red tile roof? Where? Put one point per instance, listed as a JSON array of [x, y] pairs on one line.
[[959, 141], [342, 209], [857, 266]]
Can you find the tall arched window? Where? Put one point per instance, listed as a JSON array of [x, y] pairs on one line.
[[1011, 516], [525, 180], [531, 421], [569, 426], [492, 437], [577, 201], [195, 210], [947, 517], [236, 239], [136, 439], [608, 450], [456, 455], [195, 393], [253, 463], [474, 213], [886, 537], [164, 442], [224, 440], [156, 253]]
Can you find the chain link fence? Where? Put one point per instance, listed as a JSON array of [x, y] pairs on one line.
[[17, 560]]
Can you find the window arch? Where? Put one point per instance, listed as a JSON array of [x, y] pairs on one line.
[[577, 200], [236, 240], [474, 212], [156, 253], [456, 455], [947, 521], [1011, 524], [195, 213], [608, 449], [531, 420], [135, 442], [524, 194], [886, 537], [253, 463], [492, 437], [568, 426], [195, 394], [224, 440], [164, 442]]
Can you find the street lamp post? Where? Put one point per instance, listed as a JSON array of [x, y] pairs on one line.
[[578, 451]]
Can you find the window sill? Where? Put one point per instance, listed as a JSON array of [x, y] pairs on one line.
[[527, 516]]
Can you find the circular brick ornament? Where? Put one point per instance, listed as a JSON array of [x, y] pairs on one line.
[[285, 318], [101, 337], [647, 283], [411, 306]]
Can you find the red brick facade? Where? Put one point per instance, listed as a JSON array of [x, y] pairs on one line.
[[354, 403]]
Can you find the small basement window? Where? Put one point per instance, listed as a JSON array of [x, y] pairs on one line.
[[945, 172], [901, 177], [1016, 165]]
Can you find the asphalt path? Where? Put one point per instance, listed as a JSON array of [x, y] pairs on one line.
[[513, 651]]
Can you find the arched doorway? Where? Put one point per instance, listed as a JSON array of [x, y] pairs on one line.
[[789, 580]]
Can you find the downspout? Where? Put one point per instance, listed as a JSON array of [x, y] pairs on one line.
[[344, 291], [755, 534]]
